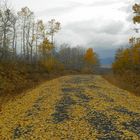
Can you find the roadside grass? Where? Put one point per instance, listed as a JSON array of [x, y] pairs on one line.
[[127, 81], [17, 78]]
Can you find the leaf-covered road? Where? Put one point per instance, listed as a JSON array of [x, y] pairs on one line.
[[82, 107]]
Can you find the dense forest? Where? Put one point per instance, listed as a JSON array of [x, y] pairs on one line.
[[127, 60], [28, 52]]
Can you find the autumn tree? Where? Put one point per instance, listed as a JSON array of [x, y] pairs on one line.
[[26, 17], [136, 9], [128, 59], [90, 56], [53, 27], [31, 41], [45, 48], [7, 31], [49, 61], [40, 34], [91, 59]]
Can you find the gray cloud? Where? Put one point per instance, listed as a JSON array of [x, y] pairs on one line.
[[102, 35], [102, 24], [114, 27], [104, 38], [105, 3], [58, 10]]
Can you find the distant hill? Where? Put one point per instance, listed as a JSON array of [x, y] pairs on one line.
[[106, 62]]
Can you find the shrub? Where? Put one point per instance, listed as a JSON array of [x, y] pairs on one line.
[[51, 64]]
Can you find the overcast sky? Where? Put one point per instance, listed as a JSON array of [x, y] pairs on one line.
[[102, 24]]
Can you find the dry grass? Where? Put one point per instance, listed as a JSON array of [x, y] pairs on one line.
[[128, 81], [15, 78]]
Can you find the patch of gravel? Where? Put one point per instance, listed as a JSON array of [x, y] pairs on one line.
[[73, 90], [79, 80], [22, 132], [61, 109], [125, 111], [133, 126], [105, 97], [104, 126], [83, 97]]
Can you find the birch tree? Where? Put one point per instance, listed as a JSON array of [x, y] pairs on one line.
[[53, 27]]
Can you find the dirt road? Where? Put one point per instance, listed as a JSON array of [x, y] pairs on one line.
[[82, 107]]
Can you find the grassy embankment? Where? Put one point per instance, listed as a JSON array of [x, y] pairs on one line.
[[15, 78], [128, 81]]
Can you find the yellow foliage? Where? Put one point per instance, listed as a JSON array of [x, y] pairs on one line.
[[52, 64], [46, 46], [90, 56], [136, 54], [136, 19], [128, 59], [136, 8]]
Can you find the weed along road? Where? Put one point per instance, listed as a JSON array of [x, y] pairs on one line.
[[81, 107]]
